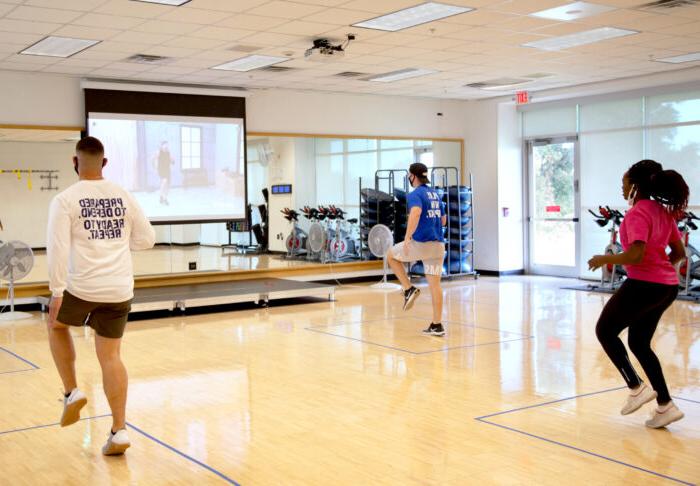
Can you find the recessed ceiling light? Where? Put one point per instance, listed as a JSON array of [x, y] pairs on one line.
[[573, 11], [249, 63], [579, 39], [400, 74], [694, 56], [410, 17], [53, 46], [173, 3]]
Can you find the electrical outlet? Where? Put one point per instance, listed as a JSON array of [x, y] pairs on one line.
[[193, 265]]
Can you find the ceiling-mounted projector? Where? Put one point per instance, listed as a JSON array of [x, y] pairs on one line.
[[323, 50]]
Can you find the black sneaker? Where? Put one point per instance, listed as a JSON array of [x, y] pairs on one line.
[[435, 330], [409, 297]]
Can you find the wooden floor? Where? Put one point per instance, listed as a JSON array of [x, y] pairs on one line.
[[518, 392]]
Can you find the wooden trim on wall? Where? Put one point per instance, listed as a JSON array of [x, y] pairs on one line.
[[319, 271], [372, 137], [41, 127]]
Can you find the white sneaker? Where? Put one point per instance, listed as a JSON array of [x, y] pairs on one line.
[[635, 402], [116, 443], [71, 407], [662, 419]]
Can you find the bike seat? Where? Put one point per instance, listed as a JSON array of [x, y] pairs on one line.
[[352, 220]]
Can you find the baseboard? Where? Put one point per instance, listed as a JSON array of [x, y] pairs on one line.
[[496, 273]]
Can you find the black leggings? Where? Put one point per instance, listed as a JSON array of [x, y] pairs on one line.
[[638, 305]]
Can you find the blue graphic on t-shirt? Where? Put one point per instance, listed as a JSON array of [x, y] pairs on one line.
[[430, 222], [103, 218]]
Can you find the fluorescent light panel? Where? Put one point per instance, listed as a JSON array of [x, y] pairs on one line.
[[579, 39], [694, 56], [53, 46], [172, 3], [249, 63], [573, 11], [400, 74], [410, 17]]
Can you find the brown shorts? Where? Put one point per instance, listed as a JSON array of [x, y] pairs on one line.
[[108, 320]]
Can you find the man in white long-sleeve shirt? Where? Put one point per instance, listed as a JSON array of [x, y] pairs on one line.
[[93, 225]]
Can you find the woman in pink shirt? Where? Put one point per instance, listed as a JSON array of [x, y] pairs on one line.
[[657, 198]]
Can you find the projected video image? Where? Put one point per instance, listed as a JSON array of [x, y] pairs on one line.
[[179, 169]]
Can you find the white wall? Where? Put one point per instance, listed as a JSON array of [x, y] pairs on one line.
[[24, 212], [282, 171], [481, 147], [510, 190]]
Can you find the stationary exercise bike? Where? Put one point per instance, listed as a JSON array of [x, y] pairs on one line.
[[343, 246], [689, 269], [296, 240], [613, 275]]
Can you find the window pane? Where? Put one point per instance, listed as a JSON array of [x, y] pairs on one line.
[[393, 144], [396, 159], [359, 165], [678, 148], [550, 121], [361, 144], [424, 143], [676, 108], [604, 159], [196, 134], [329, 177], [329, 146], [611, 114], [185, 133]]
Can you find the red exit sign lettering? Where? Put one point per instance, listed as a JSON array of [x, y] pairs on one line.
[[522, 97]]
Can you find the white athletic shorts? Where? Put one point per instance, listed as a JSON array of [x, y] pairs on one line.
[[431, 253]]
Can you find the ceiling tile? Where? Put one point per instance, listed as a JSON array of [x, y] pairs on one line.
[[194, 43], [59, 68], [43, 14], [141, 37], [524, 24], [297, 27], [221, 33], [480, 17], [176, 52], [132, 9], [80, 32], [437, 43], [286, 10], [339, 16], [164, 27], [26, 27], [4, 8], [525, 7], [195, 16], [271, 39], [108, 21], [226, 5], [251, 22], [82, 5]]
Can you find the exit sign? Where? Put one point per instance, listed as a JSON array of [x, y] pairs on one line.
[[522, 97]]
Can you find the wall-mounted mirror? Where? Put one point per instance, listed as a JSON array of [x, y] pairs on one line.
[[318, 170]]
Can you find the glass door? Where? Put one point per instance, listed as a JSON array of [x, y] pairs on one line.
[[554, 206]]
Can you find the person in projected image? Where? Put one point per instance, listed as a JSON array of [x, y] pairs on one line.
[[163, 161], [657, 199]]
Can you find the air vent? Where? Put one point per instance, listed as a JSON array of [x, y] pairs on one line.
[[668, 4], [500, 83], [147, 59], [244, 48], [277, 69], [350, 74]]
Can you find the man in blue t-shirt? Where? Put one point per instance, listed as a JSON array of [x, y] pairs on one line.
[[424, 242]]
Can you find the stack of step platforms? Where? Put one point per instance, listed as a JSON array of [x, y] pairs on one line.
[[376, 207]]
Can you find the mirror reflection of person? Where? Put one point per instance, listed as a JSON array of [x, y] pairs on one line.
[[163, 162]]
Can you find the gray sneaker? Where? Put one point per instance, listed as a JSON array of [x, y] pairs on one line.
[[116, 443], [659, 420]]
